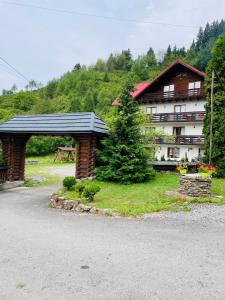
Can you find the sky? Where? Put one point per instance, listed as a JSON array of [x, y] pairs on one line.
[[44, 44]]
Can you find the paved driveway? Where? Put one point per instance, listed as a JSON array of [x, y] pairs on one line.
[[50, 254]]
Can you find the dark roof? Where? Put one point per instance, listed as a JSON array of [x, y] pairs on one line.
[[84, 122]]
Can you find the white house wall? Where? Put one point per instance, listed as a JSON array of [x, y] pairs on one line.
[[191, 106]]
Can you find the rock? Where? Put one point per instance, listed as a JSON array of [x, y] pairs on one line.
[[84, 208], [75, 204], [61, 198], [68, 205]]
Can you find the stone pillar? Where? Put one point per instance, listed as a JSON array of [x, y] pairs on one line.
[[195, 186], [14, 150], [85, 155]]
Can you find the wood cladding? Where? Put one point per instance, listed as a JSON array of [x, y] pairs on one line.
[[14, 151], [180, 77]]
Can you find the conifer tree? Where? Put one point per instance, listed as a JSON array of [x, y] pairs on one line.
[[217, 63], [124, 157]]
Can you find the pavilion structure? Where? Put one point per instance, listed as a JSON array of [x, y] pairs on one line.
[[85, 127]]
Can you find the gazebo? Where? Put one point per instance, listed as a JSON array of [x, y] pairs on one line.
[[85, 127]]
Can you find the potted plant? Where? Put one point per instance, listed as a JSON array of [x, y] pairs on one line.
[[206, 170], [182, 168]]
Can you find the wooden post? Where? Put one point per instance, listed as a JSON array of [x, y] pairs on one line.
[[211, 118], [85, 155], [14, 150]]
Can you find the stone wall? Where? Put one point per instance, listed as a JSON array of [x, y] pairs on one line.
[[195, 186]]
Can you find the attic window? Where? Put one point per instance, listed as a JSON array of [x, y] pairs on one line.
[[168, 91], [193, 88]]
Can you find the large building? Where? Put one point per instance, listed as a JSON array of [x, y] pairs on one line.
[[176, 102]]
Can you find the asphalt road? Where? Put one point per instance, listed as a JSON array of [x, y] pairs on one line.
[[51, 254]]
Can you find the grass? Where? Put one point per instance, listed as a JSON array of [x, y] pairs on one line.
[[128, 200], [139, 199], [41, 169]]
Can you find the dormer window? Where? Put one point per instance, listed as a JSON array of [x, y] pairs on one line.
[[194, 87], [168, 91]]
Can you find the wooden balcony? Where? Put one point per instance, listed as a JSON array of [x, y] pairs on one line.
[[179, 117], [3, 174], [181, 140], [192, 94]]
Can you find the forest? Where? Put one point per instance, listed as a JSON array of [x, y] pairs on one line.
[[92, 88]]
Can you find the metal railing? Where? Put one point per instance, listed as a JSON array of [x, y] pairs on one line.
[[3, 174], [174, 95], [179, 117], [181, 140]]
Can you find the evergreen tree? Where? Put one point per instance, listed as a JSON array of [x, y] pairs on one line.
[[124, 157], [217, 63]]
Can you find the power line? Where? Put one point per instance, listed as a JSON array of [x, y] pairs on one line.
[[15, 70], [67, 11]]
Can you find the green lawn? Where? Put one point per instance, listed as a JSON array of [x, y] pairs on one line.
[[138, 199], [41, 169], [127, 200]]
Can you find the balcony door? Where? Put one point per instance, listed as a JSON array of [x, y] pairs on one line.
[[168, 91], [177, 131], [194, 88], [179, 108]]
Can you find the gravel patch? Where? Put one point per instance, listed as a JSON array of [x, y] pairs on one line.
[[202, 212]]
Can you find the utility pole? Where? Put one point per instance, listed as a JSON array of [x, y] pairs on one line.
[[211, 118]]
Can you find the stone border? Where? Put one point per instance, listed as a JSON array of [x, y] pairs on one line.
[[60, 202]]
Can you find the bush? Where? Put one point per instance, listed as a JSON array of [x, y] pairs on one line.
[[69, 182], [90, 191], [79, 188]]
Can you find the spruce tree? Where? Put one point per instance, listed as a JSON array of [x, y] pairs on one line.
[[217, 63], [123, 157]]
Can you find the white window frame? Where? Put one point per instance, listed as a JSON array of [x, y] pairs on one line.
[[168, 91], [175, 152], [194, 87], [151, 110], [182, 108]]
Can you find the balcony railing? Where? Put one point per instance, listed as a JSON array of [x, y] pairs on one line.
[[181, 140], [187, 94], [179, 117], [3, 174]]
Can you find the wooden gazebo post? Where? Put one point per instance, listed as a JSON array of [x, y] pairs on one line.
[[85, 155]]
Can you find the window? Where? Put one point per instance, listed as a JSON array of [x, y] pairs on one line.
[[151, 110], [179, 108], [178, 131], [193, 88], [173, 152], [168, 91]]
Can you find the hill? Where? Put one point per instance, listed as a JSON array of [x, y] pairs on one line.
[[92, 88]]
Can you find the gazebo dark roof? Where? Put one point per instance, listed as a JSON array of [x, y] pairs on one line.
[[83, 122]]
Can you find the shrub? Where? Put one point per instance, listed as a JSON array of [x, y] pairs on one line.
[[163, 158], [69, 182], [79, 188], [90, 191]]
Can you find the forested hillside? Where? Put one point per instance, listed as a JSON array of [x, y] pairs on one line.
[[92, 88]]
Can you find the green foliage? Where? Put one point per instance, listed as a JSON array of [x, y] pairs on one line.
[[217, 63], [69, 182], [79, 188], [43, 145], [93, 88], [90, 190], [124, 157]]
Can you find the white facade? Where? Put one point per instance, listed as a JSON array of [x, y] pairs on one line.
[[186, 131]]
